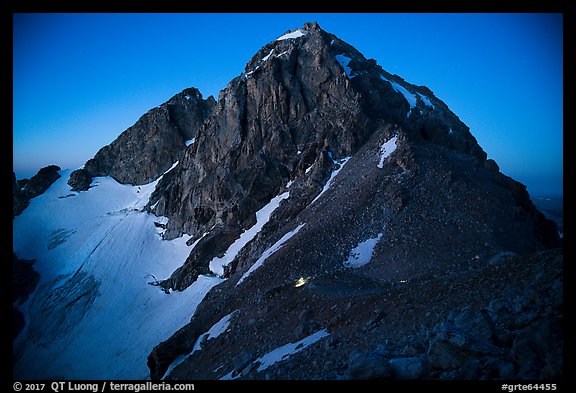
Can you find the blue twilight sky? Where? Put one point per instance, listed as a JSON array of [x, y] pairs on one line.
[[82, 79]]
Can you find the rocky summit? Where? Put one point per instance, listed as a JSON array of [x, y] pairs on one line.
[[380, 185], [357, 229]]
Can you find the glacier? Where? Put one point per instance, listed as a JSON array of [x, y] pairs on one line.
[[93, 314]]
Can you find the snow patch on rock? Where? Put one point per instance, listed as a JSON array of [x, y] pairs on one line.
[[269, 252], [262, 217], [387, 149], [362, 253], [295, 34]]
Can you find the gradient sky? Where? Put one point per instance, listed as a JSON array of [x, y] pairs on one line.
[[82, 79]]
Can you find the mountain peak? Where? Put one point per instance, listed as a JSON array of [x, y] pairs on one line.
[[312, 26], [308, 27], [319, 193], [305, 104]]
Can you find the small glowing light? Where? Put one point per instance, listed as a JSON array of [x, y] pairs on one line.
[[301, 281], [403, 280]]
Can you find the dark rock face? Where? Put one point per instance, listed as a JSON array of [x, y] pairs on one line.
[[151, 146], [24, 279], [24, 190], [371, 365], [80, 180], [296, 108], [416, 182], [297, 101], [19, 201]]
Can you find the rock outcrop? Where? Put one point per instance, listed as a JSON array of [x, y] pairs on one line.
[[24, 281], [24, 190], [151, 146], [515, 335]]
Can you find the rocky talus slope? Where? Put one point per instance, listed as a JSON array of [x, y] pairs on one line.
[[502, 319], [371, 181]]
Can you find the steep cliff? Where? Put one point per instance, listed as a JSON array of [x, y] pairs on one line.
[[151, 146]]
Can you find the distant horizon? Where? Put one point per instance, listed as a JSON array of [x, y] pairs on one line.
[[78, 86], [537, 194]]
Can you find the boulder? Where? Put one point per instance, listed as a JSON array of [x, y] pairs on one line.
[[80, 180], [407, 368], [368, 365]]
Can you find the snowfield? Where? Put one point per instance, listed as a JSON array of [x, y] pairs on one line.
[[386, 150], [267, 56], [426, 100], [93, 314]]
